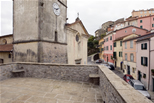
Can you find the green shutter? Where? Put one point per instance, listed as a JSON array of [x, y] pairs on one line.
[[145, 45], [141, 60], [141, 46], [119, 54], [146, 61]]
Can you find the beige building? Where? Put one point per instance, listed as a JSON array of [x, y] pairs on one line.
[[131, 21], [77, 37], [6, 48], [129, 55], [142, 13]]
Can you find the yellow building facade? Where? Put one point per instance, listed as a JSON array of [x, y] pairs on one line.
[[118, 51], [101, 47]]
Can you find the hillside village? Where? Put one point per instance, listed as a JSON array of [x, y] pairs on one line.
[[45, 60], [129, 45]]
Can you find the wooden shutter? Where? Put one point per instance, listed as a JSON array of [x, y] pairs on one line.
[[146, 61], [145, 45], [141, 46], [141, 60]]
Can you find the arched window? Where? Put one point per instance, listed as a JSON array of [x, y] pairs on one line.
[[4, 41]]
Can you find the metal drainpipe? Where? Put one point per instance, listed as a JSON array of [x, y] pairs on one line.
[[149, 67]]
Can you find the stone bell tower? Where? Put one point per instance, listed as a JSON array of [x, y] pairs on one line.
[[39, 34]]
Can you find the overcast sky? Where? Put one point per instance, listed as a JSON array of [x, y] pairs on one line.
[[93, 13]]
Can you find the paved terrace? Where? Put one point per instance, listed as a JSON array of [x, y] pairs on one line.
[[33, 90], [54, 83]]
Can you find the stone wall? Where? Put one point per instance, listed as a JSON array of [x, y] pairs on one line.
[[6, 71], [113, 88], [116, 90], [52, 71]]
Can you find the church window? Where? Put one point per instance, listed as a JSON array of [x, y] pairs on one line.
[[56, 35], [77, 38]]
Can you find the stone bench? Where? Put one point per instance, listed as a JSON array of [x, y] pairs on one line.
[[18, 73], [94, 78]]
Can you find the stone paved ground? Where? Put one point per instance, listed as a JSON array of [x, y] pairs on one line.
[[32, 90]]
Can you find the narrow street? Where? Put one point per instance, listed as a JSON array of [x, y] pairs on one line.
[[120, 74]]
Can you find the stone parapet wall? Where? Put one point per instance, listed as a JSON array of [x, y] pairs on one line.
[[113, 88], [116, 90], [53, 71], [6, 71]]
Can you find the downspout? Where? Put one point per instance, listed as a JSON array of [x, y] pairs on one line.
[[149, 66]]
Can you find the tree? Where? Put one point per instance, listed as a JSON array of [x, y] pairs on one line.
[[102, 35]]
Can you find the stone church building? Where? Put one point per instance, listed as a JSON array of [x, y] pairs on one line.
[[41, 34]]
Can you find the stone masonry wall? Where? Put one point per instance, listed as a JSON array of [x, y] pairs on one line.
[[5, 71], [60, 72], [113, 88], [108, 91], [52, 71]]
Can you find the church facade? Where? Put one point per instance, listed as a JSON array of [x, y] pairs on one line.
[[41, 34]]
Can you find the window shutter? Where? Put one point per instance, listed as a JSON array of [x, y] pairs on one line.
[[141, 60], [119, 54], [145, 45], [141, 46], [146, 61]]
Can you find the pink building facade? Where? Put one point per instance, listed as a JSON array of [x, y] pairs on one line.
[[145, 58], [108, 48], [129, 30], [146, 22]]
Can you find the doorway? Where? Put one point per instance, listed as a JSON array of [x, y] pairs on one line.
[[128, 70], [139, 75]]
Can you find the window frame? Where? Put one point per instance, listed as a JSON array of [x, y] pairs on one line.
[[141, 21], [120, 43], [115, 44], [132, 60], [141, 27], [125, 45], [131, 43], [110, 37], [126, 56], [110, 47]]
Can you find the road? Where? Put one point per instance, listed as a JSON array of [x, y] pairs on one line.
[[120, 74], [116, 71]]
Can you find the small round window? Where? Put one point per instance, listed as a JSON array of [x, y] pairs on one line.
[[134, 30], [77, 38]]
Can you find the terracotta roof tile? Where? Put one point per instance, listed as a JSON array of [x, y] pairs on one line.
[[6, 48]]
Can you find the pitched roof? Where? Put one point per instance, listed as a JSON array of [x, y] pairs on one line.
[[6, 48], [131, 26], [120, 38], [132, 18], [6, 35], [145, 37], [80, 22]]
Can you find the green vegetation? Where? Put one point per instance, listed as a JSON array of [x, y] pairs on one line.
[[92, 45], [102, 35]]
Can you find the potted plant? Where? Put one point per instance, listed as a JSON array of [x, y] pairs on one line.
[[152, 72]]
